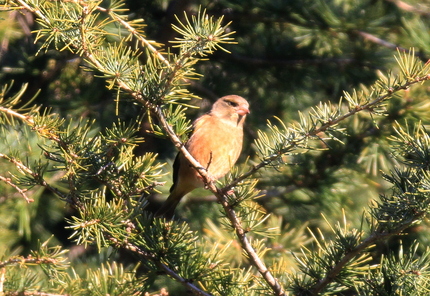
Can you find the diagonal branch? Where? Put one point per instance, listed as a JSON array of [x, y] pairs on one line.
[[387, 44], [23, 168], [20, 191], [135, 33], [196, 290], [372, 239], [324, 127], [222, 198]]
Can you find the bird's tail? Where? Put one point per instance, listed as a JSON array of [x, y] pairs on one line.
[[167, 209]]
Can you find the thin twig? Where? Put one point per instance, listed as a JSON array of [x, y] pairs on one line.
[[21, 167], [29, 260], [135, 33], [382, 42], [20, 191], [27, 119], [35, 10], [196, 290], [407, 7], [377, 40]]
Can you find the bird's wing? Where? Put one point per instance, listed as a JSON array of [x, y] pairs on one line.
[[176, 165]]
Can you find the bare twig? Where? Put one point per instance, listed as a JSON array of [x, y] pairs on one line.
[[28, 260], [377, 40], [382, 42], [20, 191], [407, 7]]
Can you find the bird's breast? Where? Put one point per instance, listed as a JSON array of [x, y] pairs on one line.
[[216, 145]]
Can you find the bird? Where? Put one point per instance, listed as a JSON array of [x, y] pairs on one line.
[[216, 143]]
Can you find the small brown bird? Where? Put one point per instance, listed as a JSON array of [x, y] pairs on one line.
[[216, 144]]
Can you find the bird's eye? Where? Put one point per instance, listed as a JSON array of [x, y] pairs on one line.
[[233, 104]]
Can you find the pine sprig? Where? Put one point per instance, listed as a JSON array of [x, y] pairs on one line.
[[100, 220], [114, 279], [404, 272], [406, 206], [8, 106], [320, 261], [202, 35], [20, 274], [411, 146], [119, 64], [283, 140]]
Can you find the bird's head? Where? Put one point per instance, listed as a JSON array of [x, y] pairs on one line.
[[232, 107]]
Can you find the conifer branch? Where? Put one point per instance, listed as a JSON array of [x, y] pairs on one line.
[[324, 127], [177, 142], [133, 248], [135, 33], [21, 167], [231, 213], [368, 242], [87, 53]]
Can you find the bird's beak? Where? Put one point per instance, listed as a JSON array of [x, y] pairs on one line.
[[242, 110]]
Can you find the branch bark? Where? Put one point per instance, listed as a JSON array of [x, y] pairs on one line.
[[382, 42], [231, 214]]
